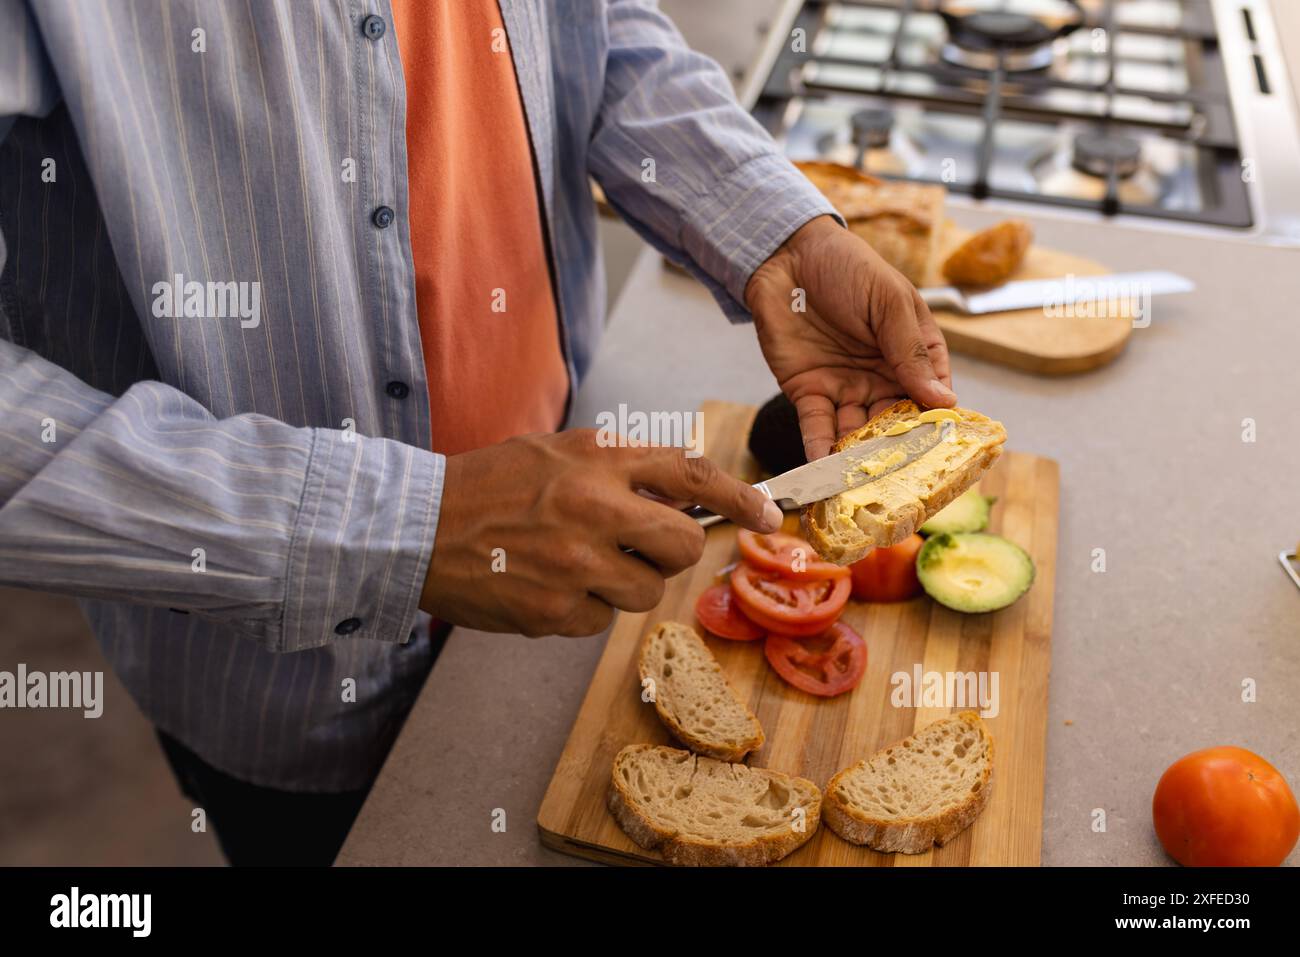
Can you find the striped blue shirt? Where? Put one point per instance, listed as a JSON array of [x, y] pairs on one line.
[[216, 426]]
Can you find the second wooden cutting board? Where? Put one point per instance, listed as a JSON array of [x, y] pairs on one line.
[[816, 737], [1030, 339]]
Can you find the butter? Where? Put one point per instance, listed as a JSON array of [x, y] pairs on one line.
[[850, 501], [929, 415], [939, 415], [875, 466], [879, 466]]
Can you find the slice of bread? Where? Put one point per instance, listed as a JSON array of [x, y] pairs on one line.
[[922, 791], [693, 697], [884, 512], [901, 221], [700, 812]]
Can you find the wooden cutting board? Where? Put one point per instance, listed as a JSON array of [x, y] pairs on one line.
[[1028, 338], [816, 737]]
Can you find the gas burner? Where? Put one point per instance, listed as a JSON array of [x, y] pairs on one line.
[[987, 40], [977, 39], [872, 128], [1098, 153], [983, 61]]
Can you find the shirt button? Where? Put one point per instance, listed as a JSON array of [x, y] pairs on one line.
[[373, 27], [383, 217], [347, 626], [397, 390]]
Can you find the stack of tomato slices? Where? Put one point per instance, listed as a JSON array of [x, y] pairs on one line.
[[783, 593]]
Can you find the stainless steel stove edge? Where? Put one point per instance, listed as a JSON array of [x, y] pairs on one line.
[[1268, 125]]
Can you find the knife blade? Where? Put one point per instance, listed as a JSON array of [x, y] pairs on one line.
[[1062, 291], [843, 471]]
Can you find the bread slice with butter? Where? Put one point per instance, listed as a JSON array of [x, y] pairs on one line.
[[885, 511], [700, 812], [693, 697]]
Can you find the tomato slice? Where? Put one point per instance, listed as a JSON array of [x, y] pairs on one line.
[[787, 555], [827, 665], [717, 611], [787, 607]]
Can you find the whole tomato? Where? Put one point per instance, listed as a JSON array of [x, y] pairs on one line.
[[1225, 807], [888, 574]]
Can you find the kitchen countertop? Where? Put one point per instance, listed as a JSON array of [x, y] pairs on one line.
[[1148, 658]]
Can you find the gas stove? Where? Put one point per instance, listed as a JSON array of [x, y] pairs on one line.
[[1174, 114]]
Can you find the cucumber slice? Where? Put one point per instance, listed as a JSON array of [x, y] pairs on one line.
[[973, 572], [968, 512]]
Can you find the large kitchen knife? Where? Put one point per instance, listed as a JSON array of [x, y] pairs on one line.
[[1121, 287], [833, 474]]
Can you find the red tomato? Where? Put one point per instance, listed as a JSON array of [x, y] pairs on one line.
[[888, 574], [716, 609], [786, 555], [1225, 807], [785, 606], [826, 665]]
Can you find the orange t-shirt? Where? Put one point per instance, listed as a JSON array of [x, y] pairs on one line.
[[488, 321]]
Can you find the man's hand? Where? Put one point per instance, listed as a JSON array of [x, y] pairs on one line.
[[864, 340], [560, 509]]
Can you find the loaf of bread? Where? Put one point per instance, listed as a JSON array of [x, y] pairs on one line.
[[989, 258], [901, 221], [697, 811], [885, 511], [920, 792], [693, 697]]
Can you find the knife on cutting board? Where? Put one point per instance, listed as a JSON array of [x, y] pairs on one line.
[[831, 475], [1062, 291]]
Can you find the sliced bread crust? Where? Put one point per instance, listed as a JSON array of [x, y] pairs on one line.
[[699, 812], [903, 500], [693, 698], [920, 792]]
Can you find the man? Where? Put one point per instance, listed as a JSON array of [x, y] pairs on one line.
[[282, 284]]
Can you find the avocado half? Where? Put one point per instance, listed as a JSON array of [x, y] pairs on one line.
[[968, 512], [973, 571]]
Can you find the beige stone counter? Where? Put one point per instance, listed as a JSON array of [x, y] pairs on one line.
[[1148, 658]]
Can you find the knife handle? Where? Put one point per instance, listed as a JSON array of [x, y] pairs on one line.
[[944, 297], [697, 512], [708, 519], [702, 515]]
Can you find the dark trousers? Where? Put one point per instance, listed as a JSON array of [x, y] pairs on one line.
[[258, 826]]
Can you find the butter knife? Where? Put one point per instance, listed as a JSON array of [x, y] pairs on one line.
[[1065, 291], [834, 474]]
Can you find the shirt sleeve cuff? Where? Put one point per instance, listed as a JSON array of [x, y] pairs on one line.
[[732, 230], [362, 542]]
